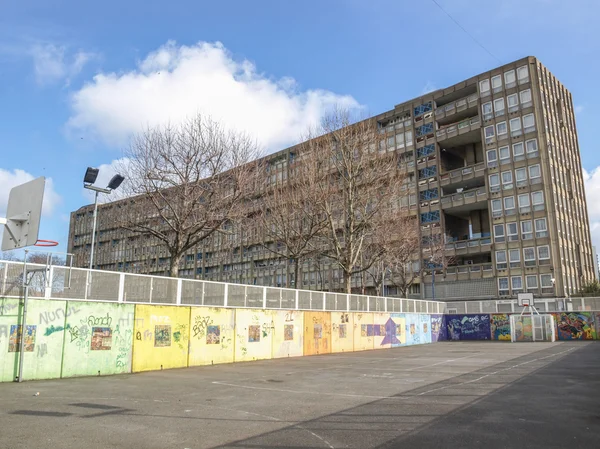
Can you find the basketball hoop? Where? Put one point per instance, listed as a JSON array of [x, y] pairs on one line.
[[46, 243]]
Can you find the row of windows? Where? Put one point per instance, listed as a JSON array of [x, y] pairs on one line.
[[535, 175], [503, 155], [517, 128], [524, 201], [511, 232], [531, 281], [510, 80], [497, 107], [514, 257]]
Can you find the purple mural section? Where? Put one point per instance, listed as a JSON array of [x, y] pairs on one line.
[[439, 332], [468, 327]]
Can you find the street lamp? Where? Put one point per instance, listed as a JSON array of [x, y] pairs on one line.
[[91, 174]]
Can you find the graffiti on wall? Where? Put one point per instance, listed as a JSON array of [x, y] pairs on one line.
[[438, 330], [575, 326], [523, 328], [468, 327], [162, 335], [500, 326], [391, 331]]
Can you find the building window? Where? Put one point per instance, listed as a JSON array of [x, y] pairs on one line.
[[528, 123], [501, 260], [532, 148], [430, 217], [496, 83], [531, 282], [517, 284], [535, 173], [499, 233], [526, 230], [507, 180], [529, 256], [512, 231], [513, 103], [514, 257], [543, 252], [486, 109], [428, 195], [501, 129], [515, 127], [408, 137], [541, 228], [518, 151], [484, 87], [400, 140], [523, 74], [503, 286], [495, 182], [421, 109], [526, 98], [425, 129], [428, 172], [426, 150], [521, 176], [546, 281], [537, 199], [510, 79], [499, 106], [509, 205], [496, 208], [492, 158], [504, 155], [524, 204]]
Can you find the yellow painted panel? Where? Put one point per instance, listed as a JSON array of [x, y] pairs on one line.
[[161, 337], [342, 332], [212, 336], [288, 335], [385, 331], [363, 331], [254, 334], [317, 333]]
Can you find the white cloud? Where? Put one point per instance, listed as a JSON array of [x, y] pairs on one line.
[[106, 172], [592, 193], [52, 63], [175, 82], [10, 179]]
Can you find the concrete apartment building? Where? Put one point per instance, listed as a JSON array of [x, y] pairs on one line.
[[493, 165]]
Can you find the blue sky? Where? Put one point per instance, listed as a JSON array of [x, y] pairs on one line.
[[77, 78]]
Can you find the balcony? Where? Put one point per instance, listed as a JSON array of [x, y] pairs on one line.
[[470, 271], [460, 132], [466, 200], [456, 110], [463, 175], [471, 246]]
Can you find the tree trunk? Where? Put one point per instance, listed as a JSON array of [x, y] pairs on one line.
[[174, 266], [348, 281], [297, 283]]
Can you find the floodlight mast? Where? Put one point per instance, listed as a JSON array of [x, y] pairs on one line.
[[91, 174]]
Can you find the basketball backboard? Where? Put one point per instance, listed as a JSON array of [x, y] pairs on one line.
[[23, 214], [525, 299]]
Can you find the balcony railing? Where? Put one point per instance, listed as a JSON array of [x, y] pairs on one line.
[[468, 197], [471, 271], [456, 129], [470, 246], [457, 106], [462, 174]]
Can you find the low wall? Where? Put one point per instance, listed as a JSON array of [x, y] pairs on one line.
[[73, 338]]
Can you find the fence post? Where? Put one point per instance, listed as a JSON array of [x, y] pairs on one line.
[[226, 294], [384, 304], [324, 301], [151, 289], [265, 298], [87, 284], [48, 286], [178, 296], [297, 304], [121, 296], [368, 304], [582, 304], [347, 302]]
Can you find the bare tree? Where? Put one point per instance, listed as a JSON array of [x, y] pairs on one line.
[[358, 183], [187, 182], [290, 216]]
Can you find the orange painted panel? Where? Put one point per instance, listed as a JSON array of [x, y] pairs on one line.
[[342, 332], [317, 333]]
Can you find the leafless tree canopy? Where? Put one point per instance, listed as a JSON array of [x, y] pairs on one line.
[[187, 181]]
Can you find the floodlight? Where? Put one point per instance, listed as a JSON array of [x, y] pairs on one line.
[[115, 182], [90, 175]]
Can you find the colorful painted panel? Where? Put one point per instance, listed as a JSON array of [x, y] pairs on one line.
[[16, 334], [342, 333], [386, 331], [254, 334], [500, 327], [288, 338], [413, 329], [468, 327], [399, 319], [364, 331], [523, 328], [212, 336], [575, 326], [317, 333], [161, 337], [425, 328], [438, 328]]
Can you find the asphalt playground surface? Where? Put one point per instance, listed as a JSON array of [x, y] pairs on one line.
[[446, 395]]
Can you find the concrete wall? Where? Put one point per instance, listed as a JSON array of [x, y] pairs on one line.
[[288, 334], [468, 327], [212, 336], [363, 331], [317, 333], [254, 334], [342, 332]]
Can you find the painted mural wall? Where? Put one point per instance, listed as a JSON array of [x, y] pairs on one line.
[[317, 333], [288, 336], [399, 319], [438, 328], [500, 327], [364, 331], [254, 334], [212, 336], [575, 326], [468, 327], [342, 332]]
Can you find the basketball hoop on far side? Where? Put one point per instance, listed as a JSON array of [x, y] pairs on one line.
[[45, 243]]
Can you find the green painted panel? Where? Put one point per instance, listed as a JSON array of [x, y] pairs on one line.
[[44, 333], [98, 339]]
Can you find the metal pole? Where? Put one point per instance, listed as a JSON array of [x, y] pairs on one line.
[[433, 285], [383, 279], [24, 321], [94, 232]]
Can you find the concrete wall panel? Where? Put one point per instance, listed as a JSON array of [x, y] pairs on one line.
[[575, 326], [364, 331], [438, 328], [212, 336], [288, 335], [468, 327], [425, 327], [317, 333], [399, 320], [254, 334], [98, 339], [500, 326], [384, 331], [342, 332], [161, 337]]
